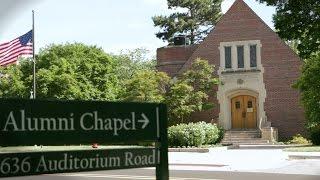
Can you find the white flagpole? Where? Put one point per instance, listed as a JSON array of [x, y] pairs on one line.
[[34, 58]]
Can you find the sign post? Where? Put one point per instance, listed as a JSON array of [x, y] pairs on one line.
[[43, 122], [162, 144]]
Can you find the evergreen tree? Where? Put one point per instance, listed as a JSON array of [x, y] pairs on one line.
[[195, 19]]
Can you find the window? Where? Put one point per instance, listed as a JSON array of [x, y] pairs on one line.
[[227, 53], [238, 105], [249, 104], [253, 55], [240, 56]]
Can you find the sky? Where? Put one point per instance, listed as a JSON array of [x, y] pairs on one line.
[[114, 25]]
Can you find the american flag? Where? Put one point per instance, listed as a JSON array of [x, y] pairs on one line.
[[11, 51]]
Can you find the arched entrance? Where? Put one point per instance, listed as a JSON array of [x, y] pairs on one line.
[[244, 112]]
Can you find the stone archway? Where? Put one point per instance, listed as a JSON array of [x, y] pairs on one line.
[[257, 100]]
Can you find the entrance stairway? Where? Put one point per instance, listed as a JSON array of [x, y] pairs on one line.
[[242, 137]]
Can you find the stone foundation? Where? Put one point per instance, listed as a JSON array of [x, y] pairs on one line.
[[269, 133]]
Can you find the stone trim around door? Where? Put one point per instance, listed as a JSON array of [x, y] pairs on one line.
[[241, 81], [235, 84]]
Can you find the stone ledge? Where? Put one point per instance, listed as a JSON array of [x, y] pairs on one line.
[[303, 157], [171, 62], [266, 146], [200, 165], [240, 71], [195, 150]]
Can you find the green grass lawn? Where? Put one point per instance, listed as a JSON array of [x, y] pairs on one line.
[[304, 149]]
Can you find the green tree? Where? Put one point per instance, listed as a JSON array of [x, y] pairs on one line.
[[273, 2], [293, 44], [130, 62], [190, 92], [13, 83], [182, 100], [298, 20], [71, 71], [146, 86], [196, 19], [200, 76], [309, 85]]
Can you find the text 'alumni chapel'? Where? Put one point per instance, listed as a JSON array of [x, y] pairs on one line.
[[256, 70]]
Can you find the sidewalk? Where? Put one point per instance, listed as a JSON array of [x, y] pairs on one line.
[[303, 155], [262, 160]]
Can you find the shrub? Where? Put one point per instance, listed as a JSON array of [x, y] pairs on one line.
[[194, 134], [221, 134], [197, 135], [177, 135], [298, 139], [211, 132], [315, 135]]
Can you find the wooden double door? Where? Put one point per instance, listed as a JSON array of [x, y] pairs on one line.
[[244, 112]]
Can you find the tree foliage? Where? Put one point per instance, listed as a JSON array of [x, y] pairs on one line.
[[274, 2], [200, 76], [129, 63], [13, 83], [73, 71], [182, 101], [190, 92], [309, 85], [196, 19], [146, 86], [132, 61], [298, 20], [183, 95], [77, 71]]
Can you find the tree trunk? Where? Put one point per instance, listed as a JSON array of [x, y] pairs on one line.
[[191, 27], [192, 36]]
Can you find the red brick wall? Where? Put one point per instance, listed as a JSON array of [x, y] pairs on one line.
[[280, 63], [170, 59]]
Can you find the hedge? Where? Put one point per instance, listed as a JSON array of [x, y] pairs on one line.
[[194, 134]]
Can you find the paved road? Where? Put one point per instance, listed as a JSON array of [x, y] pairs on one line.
[[148, 173], [219, 163]]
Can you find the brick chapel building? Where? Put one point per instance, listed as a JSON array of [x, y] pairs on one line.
[[256, 70]]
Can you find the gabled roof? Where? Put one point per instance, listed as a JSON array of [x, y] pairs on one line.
[[237, 12]]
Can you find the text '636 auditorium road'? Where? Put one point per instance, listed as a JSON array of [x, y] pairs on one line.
[[39, 122]]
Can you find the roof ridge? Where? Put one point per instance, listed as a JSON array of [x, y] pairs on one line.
[[236, 3]]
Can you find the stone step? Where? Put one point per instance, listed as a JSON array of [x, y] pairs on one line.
[[243, 132], [228, 132], [240, 131], [248, 130], [243, 139], [237, 137], [245, 142], [244, 136]]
